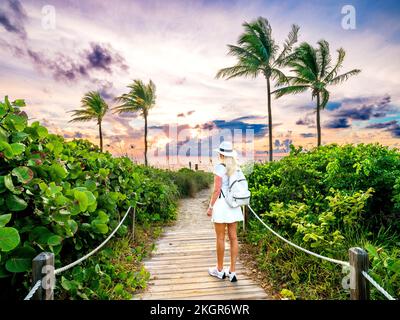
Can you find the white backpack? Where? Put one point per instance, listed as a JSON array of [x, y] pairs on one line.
[[238, 193]]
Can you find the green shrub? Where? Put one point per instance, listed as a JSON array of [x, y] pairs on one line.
[[64, 197], [189, 182], [328, 200]]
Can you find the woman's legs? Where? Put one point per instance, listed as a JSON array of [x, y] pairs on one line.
[[234, 244], [220, 232]]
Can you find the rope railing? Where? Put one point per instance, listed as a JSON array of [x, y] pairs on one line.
[[344, 263], [358, 266], [33, 290], [377, 286], [47, 259]]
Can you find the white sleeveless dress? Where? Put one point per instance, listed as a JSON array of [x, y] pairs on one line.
[[222, 212]]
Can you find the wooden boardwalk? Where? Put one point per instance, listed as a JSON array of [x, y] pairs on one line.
[[179, 265]]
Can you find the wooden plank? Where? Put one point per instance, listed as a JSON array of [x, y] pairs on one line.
[[193, 262], [200, 285], [205, 293], [183, 258], [186, 280], [189, 238], [158, 271], [238, 296], [194, 274], [188, 265]]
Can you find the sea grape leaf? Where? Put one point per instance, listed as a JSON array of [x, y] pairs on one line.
[[99, 227], [10, 185], [9, 238], [19, 103], [2, 185], [58, 170], [23, 174], [21, 260], [6, 149], [3, 135], [54, 240], [17, 148], [17, 122], [15, 203], [82, 199], [4, 219]]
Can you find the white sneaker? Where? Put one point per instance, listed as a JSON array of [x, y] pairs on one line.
[[231, 275], [213, 271]]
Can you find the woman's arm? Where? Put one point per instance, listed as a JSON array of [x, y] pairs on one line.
[[215, 194]]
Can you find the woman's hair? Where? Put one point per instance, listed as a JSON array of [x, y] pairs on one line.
[[230, 164]]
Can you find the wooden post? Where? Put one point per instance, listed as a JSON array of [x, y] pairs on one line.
[[359, 288], [43, 270], [190, 165], [133, 222], [196, 166]]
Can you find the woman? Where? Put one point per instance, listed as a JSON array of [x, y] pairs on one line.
[[222, 214]]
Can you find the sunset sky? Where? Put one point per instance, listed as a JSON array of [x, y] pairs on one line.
[[180, 45]]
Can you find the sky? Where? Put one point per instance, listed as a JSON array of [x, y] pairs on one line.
[[52, 52]]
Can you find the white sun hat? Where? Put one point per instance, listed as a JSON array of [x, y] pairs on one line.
[[226, 149]]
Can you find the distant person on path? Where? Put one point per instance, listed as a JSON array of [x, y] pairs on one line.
[[223, 215]]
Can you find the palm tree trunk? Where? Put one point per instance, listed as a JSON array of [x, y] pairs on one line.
[[269, 119], [101, 137], [145, 139], [318, 120]]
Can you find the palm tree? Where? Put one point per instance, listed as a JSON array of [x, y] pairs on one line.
[[257, 53], [93, 107], [314, 71], [141, 98]]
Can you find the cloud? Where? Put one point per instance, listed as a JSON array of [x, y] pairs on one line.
[[308, 135], [68, 68], [259, 128], [364, 108], [338, 123], [63, 67], [182, 114], [244, 118], [181, 81], [103, 57], [381, 125], [308, 121], [391, 126], [76, 135], [105, 88], [12, 17]]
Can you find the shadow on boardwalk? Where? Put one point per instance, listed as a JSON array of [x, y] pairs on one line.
[[179, 265]]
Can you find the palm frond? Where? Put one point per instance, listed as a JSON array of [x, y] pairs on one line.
[[82, 119], [93, 107], [303, 71], [307, 55], [289, 90], [338, 65], [244, 55], [343, 77], [238, 71], [323, 57], [250, 41], [325, 98], [299, 80], [288, 46], [140, 98], [279, 76]]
